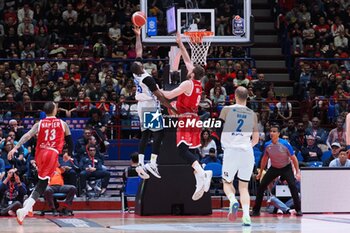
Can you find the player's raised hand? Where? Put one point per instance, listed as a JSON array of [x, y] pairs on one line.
[[137, 30]]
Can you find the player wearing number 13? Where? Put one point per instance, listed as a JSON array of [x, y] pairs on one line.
[[240, 124], [52, 134]]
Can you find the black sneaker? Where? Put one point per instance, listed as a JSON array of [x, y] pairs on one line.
[[299, 213], [54, 212], [255, 213], [66, 212]]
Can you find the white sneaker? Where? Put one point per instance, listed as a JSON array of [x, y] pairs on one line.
[[142, 172], [21, 214], [153, 168], [292, 211], [207, 180], [200, 183], [233, 209], [279, 211]]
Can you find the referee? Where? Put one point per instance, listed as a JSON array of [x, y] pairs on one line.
[[281, 154]]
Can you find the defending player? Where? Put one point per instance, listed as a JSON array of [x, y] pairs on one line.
[[52, 134], [189, 94], [149, 98], [240, 123]]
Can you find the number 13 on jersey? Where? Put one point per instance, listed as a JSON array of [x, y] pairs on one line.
[[50, 134]]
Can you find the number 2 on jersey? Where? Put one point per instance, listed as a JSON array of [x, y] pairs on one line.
[[50, 134], [240, 123]]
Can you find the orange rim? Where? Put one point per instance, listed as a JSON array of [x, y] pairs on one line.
[[197, 37]]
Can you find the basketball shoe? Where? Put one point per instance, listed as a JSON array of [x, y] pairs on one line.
[[200, 183], [246, 222], [142, 172], [232, 214], [21, 214], [153, 168]]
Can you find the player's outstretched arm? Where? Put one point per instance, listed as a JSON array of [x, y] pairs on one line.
[[185, 86], [23, 140], [255, 135], [138, 44], [184, 53]]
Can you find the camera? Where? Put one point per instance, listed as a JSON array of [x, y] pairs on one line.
[[12, 173]]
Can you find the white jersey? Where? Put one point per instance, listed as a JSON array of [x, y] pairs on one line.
[[238, 127], [146, 100], [144, 95]]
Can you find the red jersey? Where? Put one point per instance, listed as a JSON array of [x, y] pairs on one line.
[[51, 134], [189, 103]]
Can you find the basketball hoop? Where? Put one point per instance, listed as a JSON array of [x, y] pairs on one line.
[[199, 47]]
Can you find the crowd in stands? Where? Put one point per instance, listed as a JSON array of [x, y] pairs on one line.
[[319, 30], [316, 28]]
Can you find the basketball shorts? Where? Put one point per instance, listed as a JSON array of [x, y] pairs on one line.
[[47, 162], [237, 160], [191, 136]]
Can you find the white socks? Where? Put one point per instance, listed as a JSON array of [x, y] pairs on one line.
[[231, 197], [154, 158], [245, 210], [142, 159], [28, 205], [198, 168]]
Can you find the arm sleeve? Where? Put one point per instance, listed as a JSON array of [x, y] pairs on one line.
[[69, 141], [150, 83]]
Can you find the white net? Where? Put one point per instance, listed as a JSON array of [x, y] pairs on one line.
[[199, 47]]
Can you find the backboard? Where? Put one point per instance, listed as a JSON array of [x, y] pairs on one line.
[[230, 20]]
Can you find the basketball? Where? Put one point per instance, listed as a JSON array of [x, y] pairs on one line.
[[138, 18]]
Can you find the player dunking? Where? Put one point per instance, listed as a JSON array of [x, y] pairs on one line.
[[149, 97], [240, 124], [188, 96], [52, 134]]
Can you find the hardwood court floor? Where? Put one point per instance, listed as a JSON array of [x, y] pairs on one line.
[[129, 223]]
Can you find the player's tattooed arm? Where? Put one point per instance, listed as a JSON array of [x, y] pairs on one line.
[[27, 136], [34, 130]]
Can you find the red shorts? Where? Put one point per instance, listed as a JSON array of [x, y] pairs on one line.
[[191, 136], [47, 162]]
